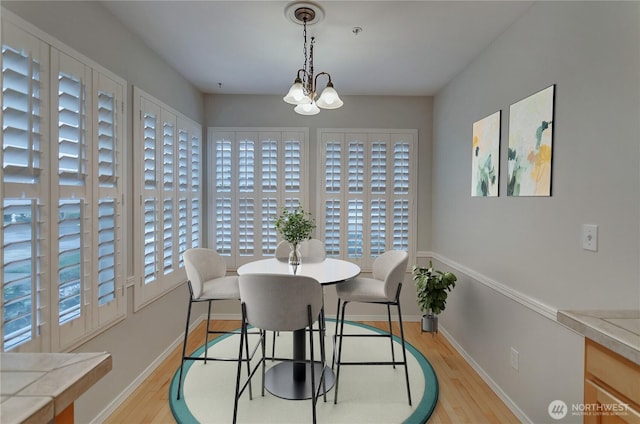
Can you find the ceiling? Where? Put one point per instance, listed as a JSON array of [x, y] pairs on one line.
[[251, 47]]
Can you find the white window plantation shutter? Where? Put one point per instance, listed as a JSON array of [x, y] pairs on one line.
[[401, 169], [106, 139], [183, 191], [195, 187], [72, 151], [70, 259], [21, 277], [21, 118], [109, 265], [378, 203], [366, 198], [72, 188], [269, 205], [23, 192], [257, 172], [151, 130], [246, 187]]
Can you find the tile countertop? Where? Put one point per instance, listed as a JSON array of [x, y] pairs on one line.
[[617, 330], [36, 387]]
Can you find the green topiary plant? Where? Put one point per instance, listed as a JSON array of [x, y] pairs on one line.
[[432, 287], [295, 225]]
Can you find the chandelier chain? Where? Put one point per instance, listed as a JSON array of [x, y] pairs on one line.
[[304, 74], [311, 88]]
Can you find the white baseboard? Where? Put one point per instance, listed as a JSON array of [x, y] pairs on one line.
[[486, 378]]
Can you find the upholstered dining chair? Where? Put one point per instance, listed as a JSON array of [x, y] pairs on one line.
[[282, 250], [383, 288], [272, 302], [208, 282], [313, 250], [282, 253]]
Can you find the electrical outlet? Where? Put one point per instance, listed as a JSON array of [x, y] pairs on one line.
[[514, 359], [590, 237]]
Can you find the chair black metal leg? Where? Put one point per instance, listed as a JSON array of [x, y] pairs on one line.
[[314, 393], [239, 368], [184, 346], [246, 344], [339, 338], [263, 337], [335, 335], [206, 337], [393, 355], [273, 346], [323, 356], [404, 352]]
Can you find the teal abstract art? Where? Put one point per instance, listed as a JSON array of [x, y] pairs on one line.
[[485, 158], [530, 145]]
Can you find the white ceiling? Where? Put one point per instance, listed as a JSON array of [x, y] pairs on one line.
[[251, 47]]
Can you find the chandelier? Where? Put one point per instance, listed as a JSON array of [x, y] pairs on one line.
[[303, 92]]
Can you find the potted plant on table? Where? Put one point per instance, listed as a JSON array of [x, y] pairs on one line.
[[294, 226], [432, 287]]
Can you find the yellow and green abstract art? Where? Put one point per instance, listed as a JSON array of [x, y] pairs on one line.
[[485, 168], [530, 145]]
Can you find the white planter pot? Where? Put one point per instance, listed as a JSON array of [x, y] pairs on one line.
[[430, 323]]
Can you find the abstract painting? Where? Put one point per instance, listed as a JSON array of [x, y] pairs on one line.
[[485, 159], [530, 145]]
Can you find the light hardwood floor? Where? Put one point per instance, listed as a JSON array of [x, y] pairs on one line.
[[463, 398]]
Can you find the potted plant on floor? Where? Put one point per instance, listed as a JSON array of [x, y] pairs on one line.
[[432, 287], [294, 226]]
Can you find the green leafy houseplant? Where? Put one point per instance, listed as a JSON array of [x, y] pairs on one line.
[[295, 225], [431, 288]]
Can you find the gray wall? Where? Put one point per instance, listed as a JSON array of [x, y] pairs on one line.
[[520, 258], [143, 336]]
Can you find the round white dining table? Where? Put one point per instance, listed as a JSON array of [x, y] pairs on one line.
[[288, 380], [327, 271]]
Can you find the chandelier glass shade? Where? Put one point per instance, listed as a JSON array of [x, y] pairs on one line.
[[303, 93]]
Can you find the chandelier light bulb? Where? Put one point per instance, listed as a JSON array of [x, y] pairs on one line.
[[296, 95], [329, 98], [307, 109]]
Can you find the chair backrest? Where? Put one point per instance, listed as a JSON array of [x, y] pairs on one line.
[[279, 302], [282, 250], [391, 267], [313, 250], [202, 265]]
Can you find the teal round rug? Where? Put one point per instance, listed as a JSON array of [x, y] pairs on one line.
[[368, 394]]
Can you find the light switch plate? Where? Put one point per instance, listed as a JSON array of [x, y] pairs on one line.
[[590, 237], [514, 359]]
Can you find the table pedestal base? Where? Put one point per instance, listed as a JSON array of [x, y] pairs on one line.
[[279, 380]]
